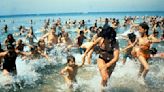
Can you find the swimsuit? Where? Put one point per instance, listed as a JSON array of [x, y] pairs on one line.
[[9, 61], [107, 55]]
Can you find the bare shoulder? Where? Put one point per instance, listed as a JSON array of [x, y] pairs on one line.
[[2, 54], [77, 66], [66, 68]]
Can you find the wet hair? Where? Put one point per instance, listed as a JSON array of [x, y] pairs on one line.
[[158, 24], [132, 37], [81, 32], [153, 50], [91, 28], [10, 35], [70, 58], [145, 26], [108, 33], [106, 20], [40, 40]]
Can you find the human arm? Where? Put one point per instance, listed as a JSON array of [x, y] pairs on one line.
[[130, 46], [44, 36], [44, 55], [34, 36], [3, 54], [154, 40], [26, 44], [23, 53], [64, 70], [89, 48], [158, 55], [5, 42]]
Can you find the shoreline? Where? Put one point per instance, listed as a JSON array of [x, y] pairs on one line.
[[81, 13]]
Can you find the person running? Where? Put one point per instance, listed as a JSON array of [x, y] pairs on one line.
[[80, 40], [35, 53], [127, 50], [66, 41], [30, 36], [20, 45], [70, 71], [5, 28], [9, 65], [108, 53], [52, 38], [85, 46], [141, 49], [42, 46], [10, 40]]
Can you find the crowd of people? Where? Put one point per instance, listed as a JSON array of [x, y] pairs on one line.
[[100, 37]]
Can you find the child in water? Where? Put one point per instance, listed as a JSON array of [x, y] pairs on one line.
[[70, 71], [127, 50]]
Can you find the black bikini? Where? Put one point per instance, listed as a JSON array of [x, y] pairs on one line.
[[104, 54]]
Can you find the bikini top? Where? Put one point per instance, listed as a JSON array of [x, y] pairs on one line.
[[103, 50], [145, 46], [110, 47]]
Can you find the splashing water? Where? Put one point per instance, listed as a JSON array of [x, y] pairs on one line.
[[43, 76]]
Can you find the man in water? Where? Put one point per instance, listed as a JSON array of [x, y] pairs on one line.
[[52, 38]]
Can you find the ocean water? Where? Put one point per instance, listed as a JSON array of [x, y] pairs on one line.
[[43, 76]]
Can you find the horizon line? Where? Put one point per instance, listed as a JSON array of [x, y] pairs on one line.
[[60, 13]]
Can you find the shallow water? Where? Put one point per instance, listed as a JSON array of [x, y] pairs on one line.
[[43, 76]]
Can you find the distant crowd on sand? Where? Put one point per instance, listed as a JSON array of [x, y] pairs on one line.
[[99, 38]]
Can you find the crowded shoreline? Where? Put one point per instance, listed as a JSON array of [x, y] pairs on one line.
[[56, 33]]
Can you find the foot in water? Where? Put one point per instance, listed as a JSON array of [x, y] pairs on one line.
[[106, 88], [141, 80]]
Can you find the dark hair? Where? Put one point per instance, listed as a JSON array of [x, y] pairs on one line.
[[10, 35], [40, 40], [70, 58], [153, 50], [81, 32], [155, 32], [108, 33], [106, 20], [145, 26], [132, 37]]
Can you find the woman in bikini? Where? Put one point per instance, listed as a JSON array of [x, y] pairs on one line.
[[108, 53], [141, 50]]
